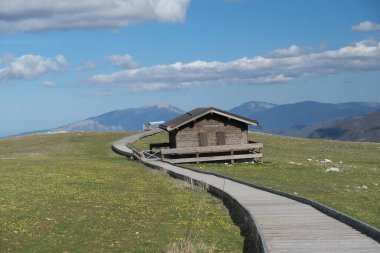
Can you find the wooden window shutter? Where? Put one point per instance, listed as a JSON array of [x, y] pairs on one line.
[[220, 138], [202, 139]]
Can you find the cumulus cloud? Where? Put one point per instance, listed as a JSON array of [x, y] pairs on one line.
[[44, 15], [49, 84], [88, 65], [7, 58], [366, 26], [123, 61], [103, 93], [361, 56], [30, 66], [293, 50]]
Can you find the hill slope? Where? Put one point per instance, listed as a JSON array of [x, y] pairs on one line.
[[341, 175], [70, 193], [365, 128]]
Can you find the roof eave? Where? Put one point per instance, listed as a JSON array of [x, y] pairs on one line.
[[248, 122], [211, 110], [163, 127]]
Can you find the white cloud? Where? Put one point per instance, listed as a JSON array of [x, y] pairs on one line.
[[49, 84], [123, 61], [293, 50], [31, 66], [88, 65], [361, 56], [44, 15], [366, 26], [7, 58], [103, 93]]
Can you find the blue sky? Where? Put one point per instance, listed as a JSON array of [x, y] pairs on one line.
[[66, 61]]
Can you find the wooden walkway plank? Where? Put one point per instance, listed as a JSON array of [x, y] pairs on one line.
[[285, 224]]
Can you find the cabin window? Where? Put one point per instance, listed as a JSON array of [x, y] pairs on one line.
[[220, 138], [202, 139]]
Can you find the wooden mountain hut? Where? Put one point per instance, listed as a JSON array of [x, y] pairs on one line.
[[209, 134]]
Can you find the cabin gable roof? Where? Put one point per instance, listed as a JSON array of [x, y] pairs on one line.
[[200, 112]]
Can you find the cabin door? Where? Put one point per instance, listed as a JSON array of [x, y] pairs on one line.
[[220, 138], [202, 139]]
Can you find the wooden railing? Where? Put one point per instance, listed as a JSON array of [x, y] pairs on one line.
[[212, 149], [151, 155], [145, 155], [213, 153], [159, 145], [251, 151]]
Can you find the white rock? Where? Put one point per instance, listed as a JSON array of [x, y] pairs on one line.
[[310, 159], [327, 161], [332, 169], [291, 162]]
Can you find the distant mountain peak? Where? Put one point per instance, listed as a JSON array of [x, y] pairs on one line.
[[124, 120], [249, 108], [164, 106], [256, 105]]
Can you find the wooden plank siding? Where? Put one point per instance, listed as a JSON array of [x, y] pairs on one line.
[[211, 125]]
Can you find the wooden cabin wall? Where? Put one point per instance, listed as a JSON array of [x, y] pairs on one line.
[[172, 139], [235, 132]]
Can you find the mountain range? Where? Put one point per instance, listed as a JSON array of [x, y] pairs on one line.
[[363, 128], [301, 119], [130, 119]]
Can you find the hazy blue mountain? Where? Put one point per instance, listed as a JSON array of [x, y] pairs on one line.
[[363, 128], [123, 120], [251, 108], [299, 119]]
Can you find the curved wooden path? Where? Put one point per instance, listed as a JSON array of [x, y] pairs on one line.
[[283, 224]]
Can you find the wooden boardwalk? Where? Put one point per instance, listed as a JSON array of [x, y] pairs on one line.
[[284, 225]]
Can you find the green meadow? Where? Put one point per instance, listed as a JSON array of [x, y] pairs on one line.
[[342, 175], [71, 193]]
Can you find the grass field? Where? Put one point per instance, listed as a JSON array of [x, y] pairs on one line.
[[300, 166], [71, 193]]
